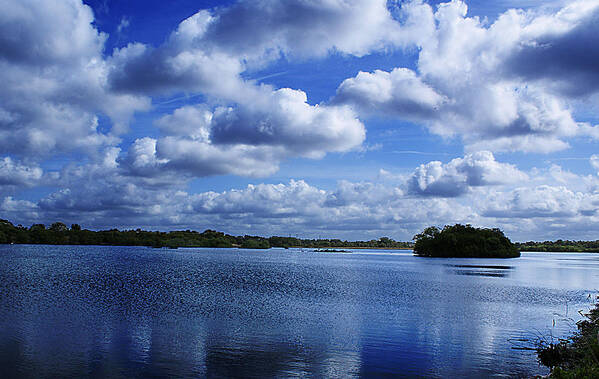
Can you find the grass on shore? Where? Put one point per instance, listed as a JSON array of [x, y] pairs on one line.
[[577, 356]]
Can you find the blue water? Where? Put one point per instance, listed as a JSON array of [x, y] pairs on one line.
[[77, 311]]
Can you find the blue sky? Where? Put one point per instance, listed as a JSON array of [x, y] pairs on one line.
[[340, 118]]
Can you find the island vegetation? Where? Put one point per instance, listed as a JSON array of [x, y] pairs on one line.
[[576, 356], [464, 241], [60, 234], [331, 251]]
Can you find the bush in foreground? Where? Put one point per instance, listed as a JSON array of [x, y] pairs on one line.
[[464, 241], [577, 356]]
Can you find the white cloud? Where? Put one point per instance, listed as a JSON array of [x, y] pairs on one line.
[[100, 195], [141, 69], [57, 84], [258, 29], [17, 174], [566, 44], [473, 80], [124, 24], [54, 81], [459, 175], [23, 210], [399, 92], [203, 159], [288, 120], [284, 208], [210, 49], [141, 159], [35, 33], [484, 83], [192, 121], [254, 127], [267, 200], [541, 201], [594, 160], [494, 194], [252, 138]]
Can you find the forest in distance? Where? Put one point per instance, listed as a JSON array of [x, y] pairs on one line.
[[59, 233]]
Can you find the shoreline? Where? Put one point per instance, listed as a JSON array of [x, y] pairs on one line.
[[578, 355]]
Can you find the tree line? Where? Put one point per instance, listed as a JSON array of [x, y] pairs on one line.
[[59, 233], [560, 246]]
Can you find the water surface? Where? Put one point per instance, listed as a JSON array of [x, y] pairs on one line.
[[141, 312]]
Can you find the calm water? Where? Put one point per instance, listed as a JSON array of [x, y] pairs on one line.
[[140, 312]]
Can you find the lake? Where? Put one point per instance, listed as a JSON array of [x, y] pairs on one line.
[[100, 311]]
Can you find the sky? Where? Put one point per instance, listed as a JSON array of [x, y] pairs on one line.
[[350, 119]]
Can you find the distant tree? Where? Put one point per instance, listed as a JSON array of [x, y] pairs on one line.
[[37, 227], [58, 227], [255, 243], [76, 227]]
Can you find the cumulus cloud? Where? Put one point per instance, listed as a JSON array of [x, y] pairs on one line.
[[399, 92], [594, 160], [269, 200], [106, 191], [102, 195], [57, 83], [14, 173], [459, 175], [141, 159], [210, 49], [251, 128], [61, 92], [289, 121], [54, 81], [566, 44], [26, 212], [249, 139], [204, 159], [348, 193], [109, 192], [251, 28], [541, 201], [485, 83], [192, 121], [142, 69]]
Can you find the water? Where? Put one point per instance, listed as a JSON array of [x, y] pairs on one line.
[[75, 311]]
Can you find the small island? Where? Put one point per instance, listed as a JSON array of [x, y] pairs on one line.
[[331, 251], [464, 241]]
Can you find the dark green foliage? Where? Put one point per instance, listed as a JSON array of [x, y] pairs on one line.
[[58, 227], [578, 356], [59, 234], [382, 242], [560, 246], [250, 242], [464, 241]]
